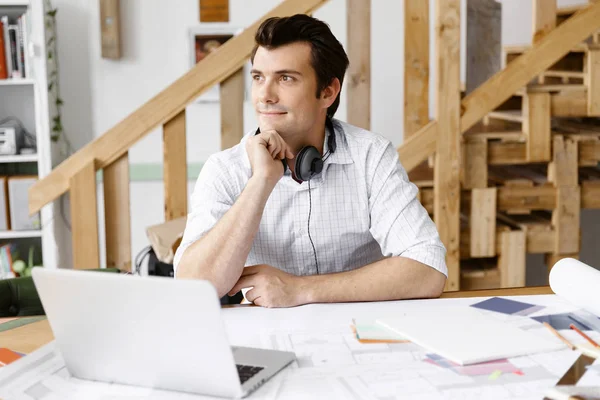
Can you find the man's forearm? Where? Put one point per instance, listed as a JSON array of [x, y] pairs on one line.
[[221, 254], [392, 278]]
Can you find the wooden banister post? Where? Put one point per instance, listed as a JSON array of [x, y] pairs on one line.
[[566, 216], [448, 153], [544, 18], [359, 71], [84, 218], [416, 66], [511, 261], [117, 216], [592, 81], [232, 109], [175, 167], [543, 21]]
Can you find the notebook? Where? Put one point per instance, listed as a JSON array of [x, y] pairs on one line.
[[465, 335]]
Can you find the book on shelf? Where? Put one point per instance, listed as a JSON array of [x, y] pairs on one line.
[[13, 39]]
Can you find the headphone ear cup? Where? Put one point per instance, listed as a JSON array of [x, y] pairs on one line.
[[305, 160]]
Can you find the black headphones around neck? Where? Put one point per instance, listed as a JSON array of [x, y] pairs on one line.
[[309, 161]]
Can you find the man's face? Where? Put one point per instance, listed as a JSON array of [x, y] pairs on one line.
[[284, 87]]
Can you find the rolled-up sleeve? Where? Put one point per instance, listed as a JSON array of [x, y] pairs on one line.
[[210, 200], [399, 222]]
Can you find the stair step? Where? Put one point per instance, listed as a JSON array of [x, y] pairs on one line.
[[551, 88], [563, 74], [508, 115], [539, 88], [519, 49], [506, 136]]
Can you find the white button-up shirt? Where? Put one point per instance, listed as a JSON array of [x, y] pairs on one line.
[[362, 208]]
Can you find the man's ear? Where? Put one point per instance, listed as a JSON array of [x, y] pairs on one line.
[[330, 93]]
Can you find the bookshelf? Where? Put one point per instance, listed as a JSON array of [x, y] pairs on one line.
[[16, 82], [26, 98], [19, 158]]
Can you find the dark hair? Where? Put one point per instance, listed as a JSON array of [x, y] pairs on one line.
[[329, 60]]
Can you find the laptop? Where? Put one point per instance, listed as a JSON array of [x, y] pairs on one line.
[[151, 332]]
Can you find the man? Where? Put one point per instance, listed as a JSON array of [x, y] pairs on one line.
[[354, 231]]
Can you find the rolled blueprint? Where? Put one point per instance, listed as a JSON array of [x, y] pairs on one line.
[[578, 283]]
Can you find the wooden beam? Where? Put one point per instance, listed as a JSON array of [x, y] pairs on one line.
[[117, 216], [564, 173], [566, 220], [84, 218], [592, 81], [475, 170], [416, 66], [520, 71], [359, 71], [419, 146], [530, 198], [563, 170], [500, 153], [569, 104], [536, 126], [232, 109], [110, 146], [540, 241], [543, 21], [544, 18], [509, 153], [175, 167], [448, 152], [590, 194], [589, 153], [511, 260], [518, 183], [483, 222]]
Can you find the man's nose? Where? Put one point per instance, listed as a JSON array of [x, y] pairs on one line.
[[268, 93]]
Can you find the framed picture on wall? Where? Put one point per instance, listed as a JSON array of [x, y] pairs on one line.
[[205, 40]]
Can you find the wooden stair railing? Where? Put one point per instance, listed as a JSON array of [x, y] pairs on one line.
[[545, 52], [109, 152]]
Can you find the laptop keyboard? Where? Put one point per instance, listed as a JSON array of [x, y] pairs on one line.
[[247, 371]]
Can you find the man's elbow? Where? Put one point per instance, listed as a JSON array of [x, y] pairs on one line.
[[186, 270], [437, 282]]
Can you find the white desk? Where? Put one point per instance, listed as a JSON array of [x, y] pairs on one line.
[[333, 365]]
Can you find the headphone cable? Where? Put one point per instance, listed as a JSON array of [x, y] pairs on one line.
[[309, 237]]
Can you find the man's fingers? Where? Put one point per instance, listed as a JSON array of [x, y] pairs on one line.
[[259, 301], [250, 270], [252, 295], [281, 154], [275, 151]]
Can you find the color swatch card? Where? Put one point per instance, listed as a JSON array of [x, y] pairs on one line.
[[369, 331], [507, 306]]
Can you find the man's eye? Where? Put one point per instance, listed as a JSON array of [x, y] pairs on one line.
[[286, 78], [256, 77]]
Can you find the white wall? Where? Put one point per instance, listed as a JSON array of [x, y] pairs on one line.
[[98, 93]]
